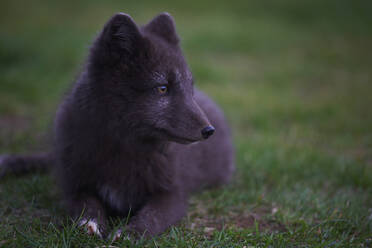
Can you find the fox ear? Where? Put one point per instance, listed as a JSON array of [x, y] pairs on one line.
[[121, 32], [163, 25]]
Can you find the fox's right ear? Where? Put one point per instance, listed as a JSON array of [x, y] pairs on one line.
[[121, 32]]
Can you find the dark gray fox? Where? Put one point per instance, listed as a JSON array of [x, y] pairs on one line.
[[126, 137]]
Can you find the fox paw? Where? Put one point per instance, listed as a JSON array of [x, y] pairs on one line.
[[91, 227], [118, 235]]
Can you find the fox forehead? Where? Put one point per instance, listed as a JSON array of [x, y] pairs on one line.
[[175, 75], [165, 59], [159, 77]]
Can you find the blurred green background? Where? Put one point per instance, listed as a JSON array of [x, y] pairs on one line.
[[293, 77]]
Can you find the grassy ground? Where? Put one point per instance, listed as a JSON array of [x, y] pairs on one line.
[[294, 79]]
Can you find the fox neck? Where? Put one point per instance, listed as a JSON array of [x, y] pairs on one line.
[[135, 143]]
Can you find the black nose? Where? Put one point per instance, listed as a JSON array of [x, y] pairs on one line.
[[207, 131]]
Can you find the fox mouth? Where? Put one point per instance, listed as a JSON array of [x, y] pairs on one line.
[[177, 138]]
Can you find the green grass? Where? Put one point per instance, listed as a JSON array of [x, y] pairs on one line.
[[294, 79]]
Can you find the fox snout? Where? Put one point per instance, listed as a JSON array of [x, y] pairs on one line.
[[191, 123], [199, 121]]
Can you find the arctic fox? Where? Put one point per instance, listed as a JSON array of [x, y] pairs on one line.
[[126, 137]]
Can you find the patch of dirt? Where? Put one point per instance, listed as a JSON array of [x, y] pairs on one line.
[[264, 224], [261, 217]]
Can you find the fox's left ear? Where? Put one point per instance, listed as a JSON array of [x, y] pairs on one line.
[[163, 25]]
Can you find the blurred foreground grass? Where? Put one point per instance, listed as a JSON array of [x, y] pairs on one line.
[[294, 79]]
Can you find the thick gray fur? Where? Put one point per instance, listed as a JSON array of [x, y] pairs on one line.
[[121, 145]]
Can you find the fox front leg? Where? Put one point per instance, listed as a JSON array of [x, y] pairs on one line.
[[90, 214], [157, 215]]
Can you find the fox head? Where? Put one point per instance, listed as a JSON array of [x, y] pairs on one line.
[[142, 71]]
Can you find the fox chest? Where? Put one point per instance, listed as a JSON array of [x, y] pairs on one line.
[[124, 190], [121, 199]]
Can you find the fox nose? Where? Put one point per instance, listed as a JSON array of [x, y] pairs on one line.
[[207, 132]]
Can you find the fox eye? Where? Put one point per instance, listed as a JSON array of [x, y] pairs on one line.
[[162, 89]]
